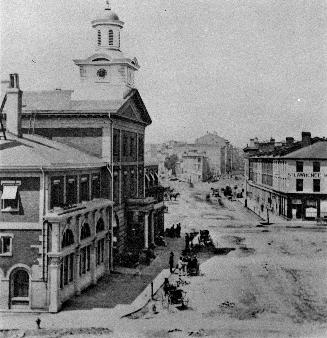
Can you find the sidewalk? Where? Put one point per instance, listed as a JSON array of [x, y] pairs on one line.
[[275, 219], [115, 296]]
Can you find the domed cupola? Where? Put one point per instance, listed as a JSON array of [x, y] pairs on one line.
[[107, 73], [107, 26]]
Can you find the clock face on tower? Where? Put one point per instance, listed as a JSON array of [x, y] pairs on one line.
[[102, 73]]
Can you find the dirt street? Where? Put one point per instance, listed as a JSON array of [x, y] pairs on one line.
[[274, 284]]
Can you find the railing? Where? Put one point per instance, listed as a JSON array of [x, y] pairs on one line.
[[1, 115]]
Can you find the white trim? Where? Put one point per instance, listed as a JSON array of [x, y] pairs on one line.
[[20, 226], [11, 182], [8, 253], [18, 266]]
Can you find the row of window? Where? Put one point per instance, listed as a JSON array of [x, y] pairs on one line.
[[68, 236], [110, 38], [315, 166], [67, 266], [130, 181], [132, 145], [316, 185], [67, 194]]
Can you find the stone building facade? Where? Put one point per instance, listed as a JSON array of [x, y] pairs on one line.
[[288, 179], [79, 217]]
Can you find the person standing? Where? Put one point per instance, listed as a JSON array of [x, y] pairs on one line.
[[187, 241], [171, 262], [180, 266], [178, 230]]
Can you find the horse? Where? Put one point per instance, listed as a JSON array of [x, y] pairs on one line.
[[175, 195]]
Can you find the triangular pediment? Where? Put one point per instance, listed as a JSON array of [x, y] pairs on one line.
[[134, 109], [131, 112]]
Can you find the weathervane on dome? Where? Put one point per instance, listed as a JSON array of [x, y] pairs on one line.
[[108, 5]]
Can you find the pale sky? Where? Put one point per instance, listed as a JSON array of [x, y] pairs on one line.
[[241, 68]]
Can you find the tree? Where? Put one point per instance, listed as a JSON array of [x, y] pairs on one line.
[[170, 163]]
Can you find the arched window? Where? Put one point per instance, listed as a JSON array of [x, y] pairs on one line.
[[20, 283], [85, 231], [99, 37], [67, 239], [100, 225], [111, 37]]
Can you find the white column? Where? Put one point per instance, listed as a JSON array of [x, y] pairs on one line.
[[93, 265], [54, 274], [55, 248], [152, 227], [146, 230], [76, 270]]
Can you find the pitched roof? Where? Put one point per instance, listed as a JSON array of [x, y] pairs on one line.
[[59, 101], [317, 150], [32, 151]]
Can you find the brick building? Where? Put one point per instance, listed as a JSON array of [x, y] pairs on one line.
[[288, 178], [103, 121], [55, 217]]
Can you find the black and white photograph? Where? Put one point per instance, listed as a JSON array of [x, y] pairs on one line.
[[163, 168]]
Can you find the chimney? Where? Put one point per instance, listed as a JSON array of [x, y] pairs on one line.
[[13, 107], [289, 141], [306, 138]]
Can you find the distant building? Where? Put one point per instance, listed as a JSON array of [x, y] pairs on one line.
[[287, 178], [194, 167], [222, 157]]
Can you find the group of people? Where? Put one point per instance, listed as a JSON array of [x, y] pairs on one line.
[[174, 231], [184, 263]]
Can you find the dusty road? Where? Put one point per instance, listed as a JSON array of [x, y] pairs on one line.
[[274, 284]]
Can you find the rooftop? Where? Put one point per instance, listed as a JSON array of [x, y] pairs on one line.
[[32, 151], [317, 150], [58, 100]]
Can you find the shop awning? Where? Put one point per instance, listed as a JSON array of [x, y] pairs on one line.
[[9, 192]]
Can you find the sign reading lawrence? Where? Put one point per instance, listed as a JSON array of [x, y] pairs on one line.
[[307, 175]]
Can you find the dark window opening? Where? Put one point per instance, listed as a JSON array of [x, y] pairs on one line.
[[68, 238], [125, 146], [316, 167], [84, 188], [57, 193], [299, 166], [85, 231], [20, 284], [111, 37], [132, 145], [316, 185], [71, 190], [299, 185], [100, 225], [95, 186]]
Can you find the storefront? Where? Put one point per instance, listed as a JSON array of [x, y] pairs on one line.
[[308, 207]]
